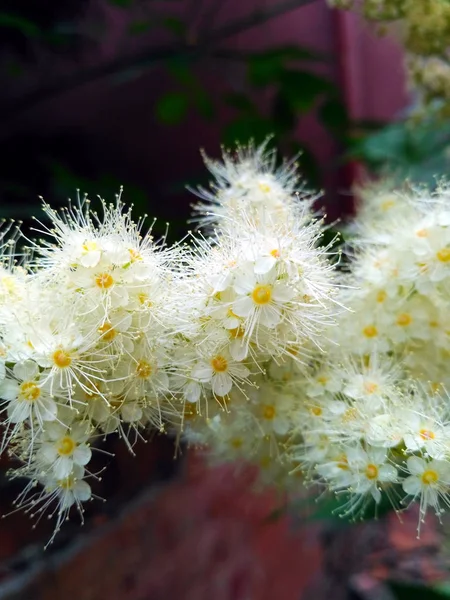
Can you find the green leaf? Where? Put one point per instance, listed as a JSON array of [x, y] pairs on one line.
[[172, 107], [176, 26], [302, 88], [121, 3], [181, 71], [247, 127], [334, 116], [240, 102], [266, 67], [283, 113], [139, 26], [25, 26], [403, 591], [203, 103], [309, 165]]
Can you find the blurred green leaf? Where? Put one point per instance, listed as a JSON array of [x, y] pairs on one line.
[[248, 127], [240, 102], [283, 113], [139, 26], [266, 67], [176, 26], [171, 107], [203, 103], [402, 591], [302, 88], [182, 71], [309, 165], [25, 26], [334, 116], [417, 152], [121, 3]]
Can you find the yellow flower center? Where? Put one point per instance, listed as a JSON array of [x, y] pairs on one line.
[[269, 412], [427, 434], [404, 320], [349, 415], [444, 255], [62, 359], [104, 281], [66, 446], [29, 391], [316, 410], [90, 247], [219, 363], [262, 294], [275, 253], [237, 333], [381, 296], [264, 187], [134, 255], [322, 379], [107, 331], [422, 233], [387, 205], [370, 331], [144, 299], [67, 483], [342, 463], [236, 443], [143, 369], [371, 471], [429, 477], [370, 387]]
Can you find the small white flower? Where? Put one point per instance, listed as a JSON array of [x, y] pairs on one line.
[[221, 371], [63, 447], [430, 480], [261, 299]]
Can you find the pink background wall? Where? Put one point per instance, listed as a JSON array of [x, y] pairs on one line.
[[119, 122]]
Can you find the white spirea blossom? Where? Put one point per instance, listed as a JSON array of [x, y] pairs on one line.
[[252, 341]]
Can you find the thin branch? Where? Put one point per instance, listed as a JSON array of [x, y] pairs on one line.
[[148, 57]]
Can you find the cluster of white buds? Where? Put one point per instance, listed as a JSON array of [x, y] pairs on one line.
[[237, 342]]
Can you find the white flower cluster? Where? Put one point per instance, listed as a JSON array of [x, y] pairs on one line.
[[382, 409], [87, 324], [237, 342]]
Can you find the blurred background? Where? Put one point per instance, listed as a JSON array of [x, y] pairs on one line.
[[95, 94]]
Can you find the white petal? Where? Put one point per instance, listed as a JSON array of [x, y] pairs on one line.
[[416, 465], [82, 454], [192, 391], [26, 370], [282, 293], [202, 372], [63, 467], [131, 412], [47, 409], [18, 411], [243, 307], [244, 283], [238, 349], [221, 384], [376, 494], [264, 264], [387, 473], [270, 316], [82, 491], [48, 453], [9, 389], [239, 370], [411, 485]]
